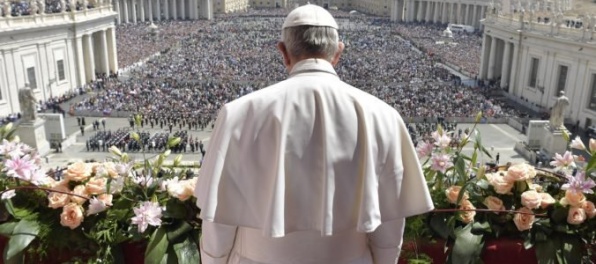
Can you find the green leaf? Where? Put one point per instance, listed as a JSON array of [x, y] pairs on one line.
[[157, 247], [483, 184], [460, 168], [572, 249], [546, 251], [467, 247], [176, 209], [438, 223], [9, 207], [24, 232], [187, 252], [591, 163], [6, 229], [173, 141], [181, 229], [481, 227]]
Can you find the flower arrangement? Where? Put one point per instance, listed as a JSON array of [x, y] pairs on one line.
[[549, 210], [95, 207]]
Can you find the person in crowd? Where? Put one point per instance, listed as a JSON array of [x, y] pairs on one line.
[[310, 169]]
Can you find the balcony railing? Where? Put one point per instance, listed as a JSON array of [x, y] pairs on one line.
[[586, 34], [10, 23]]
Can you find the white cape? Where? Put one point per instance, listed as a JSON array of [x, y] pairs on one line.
[[310, 153]]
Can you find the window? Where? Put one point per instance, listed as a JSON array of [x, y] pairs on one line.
[[534, 72], [60, 66], [31, 78], [562, 79], [592, 103]]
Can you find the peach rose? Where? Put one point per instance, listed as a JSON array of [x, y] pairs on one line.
[[106, 199], [182, 190], [78, 171], [71, 216], [535, 187], [467, 216], [589, 209], [96, 185], [57, 200], [576, 216], [575, 199], [547, 200], [499, 183], [494, 203], [524, 219], [107, 169], [520, 172], [79, 190], [531, 199], [453, 192]]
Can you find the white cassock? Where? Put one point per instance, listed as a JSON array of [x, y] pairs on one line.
[[309, 170]]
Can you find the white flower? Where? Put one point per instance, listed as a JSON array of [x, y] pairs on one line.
[[148, 213], [8, 194], [96, 206], [577, 144]]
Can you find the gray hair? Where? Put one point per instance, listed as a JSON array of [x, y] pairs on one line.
[[311, 41]]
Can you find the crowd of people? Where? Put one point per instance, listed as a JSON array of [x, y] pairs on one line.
[[204, 64], [38, 7]]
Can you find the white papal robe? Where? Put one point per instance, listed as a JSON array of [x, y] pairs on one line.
[[309, 170]]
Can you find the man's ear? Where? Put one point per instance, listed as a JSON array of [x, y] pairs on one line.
[[340, 49], [284, 53]]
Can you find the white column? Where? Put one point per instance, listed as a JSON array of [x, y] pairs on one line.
[[491, 58], [467, 15], [427, 17], [142, 9], [482, 14], [89, 58], [444, 13], [134, 11], [112, 51], [158, 9], [475, 17], [513, 69], [104, 53], [505, 66], [175, 9], [80, 56], [182, 9], [119, 16], [151, 13], [484, 57], [166, 11], [124, 2], [436, 9]]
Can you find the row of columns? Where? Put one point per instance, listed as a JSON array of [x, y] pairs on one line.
[[133, 11], [96, 53], [437, 12], [497, 60]]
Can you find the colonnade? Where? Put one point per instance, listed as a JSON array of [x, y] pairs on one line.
[[133, 11], [438, 12], [95, 53], [497, 59]]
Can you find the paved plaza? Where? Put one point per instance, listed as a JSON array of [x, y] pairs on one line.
[[497, 138]]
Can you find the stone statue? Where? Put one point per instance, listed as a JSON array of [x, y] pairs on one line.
[[62, 5], [557, 113], [27, 102], [42, 6], [7, 9], [33, 7]]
